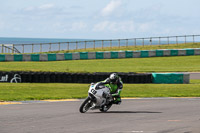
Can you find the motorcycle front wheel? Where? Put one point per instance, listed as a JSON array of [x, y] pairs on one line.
[[85, 106]]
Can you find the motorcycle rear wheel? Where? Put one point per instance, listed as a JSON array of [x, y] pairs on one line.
[[85, 106]]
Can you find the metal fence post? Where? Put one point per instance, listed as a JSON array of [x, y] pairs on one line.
[[1, 48], [76, 45], [32, 48], [126, 42], [168, 40], [110, 43], [102, 44], [119, 43], [185, 39], [40, 47], [150, 41], [22, 48], [193, 39], [13, 48], [135, 42], [143, 42], [176, 40], [159, 41], [94, 44], [67, 46], [85, 44], [49, 46], [59, 46]]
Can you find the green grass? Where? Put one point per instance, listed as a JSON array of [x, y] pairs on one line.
[[146, 47], [154, 64], [36, 91]]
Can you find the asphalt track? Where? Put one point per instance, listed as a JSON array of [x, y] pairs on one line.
[[147, 115]]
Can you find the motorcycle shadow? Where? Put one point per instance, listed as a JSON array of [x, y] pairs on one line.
[[126, 112]]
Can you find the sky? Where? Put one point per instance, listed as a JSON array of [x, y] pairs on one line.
[[98, 19]]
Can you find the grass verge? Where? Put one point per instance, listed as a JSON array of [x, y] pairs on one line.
[[26, 91], [140, 47]]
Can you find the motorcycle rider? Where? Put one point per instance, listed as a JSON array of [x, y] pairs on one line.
[[116, 85]]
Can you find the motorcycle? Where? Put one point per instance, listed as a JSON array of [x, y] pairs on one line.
[[98, 98]]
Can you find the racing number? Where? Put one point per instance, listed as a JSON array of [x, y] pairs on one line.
[[93, 91]]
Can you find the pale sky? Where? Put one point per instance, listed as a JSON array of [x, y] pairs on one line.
[[98, 19]]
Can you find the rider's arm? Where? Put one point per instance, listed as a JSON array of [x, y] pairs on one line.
[[107, 81]]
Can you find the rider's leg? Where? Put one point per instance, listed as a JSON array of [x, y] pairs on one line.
[[117, 99]]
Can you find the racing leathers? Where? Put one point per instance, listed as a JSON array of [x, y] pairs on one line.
[[115, 89]]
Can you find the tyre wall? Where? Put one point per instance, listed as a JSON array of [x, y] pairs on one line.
[[58, 77]]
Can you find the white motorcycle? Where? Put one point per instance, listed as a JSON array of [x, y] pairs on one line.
[[98, 98]]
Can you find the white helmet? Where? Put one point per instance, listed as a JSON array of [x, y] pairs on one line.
[[114, 77]]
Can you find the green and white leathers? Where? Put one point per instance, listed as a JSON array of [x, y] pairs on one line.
[[114, 89], [115, 84]]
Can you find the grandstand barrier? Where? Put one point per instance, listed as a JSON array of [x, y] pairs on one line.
[[100, 55], [62, 77]]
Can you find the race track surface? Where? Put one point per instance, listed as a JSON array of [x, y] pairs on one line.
[[148, 115]]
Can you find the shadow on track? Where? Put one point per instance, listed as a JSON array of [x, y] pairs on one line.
[[126, 112]]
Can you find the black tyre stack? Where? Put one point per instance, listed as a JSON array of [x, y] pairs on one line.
[[62, 77]]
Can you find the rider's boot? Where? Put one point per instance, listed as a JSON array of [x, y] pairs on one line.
[[117, 100]]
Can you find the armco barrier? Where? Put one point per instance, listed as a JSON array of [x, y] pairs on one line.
[[100, 55]]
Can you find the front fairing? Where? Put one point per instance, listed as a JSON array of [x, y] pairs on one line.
[[98, 92]]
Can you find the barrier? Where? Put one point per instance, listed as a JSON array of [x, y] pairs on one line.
[[61, 77], [2, 57], [100, 55], [171, 78], [35, 57]]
